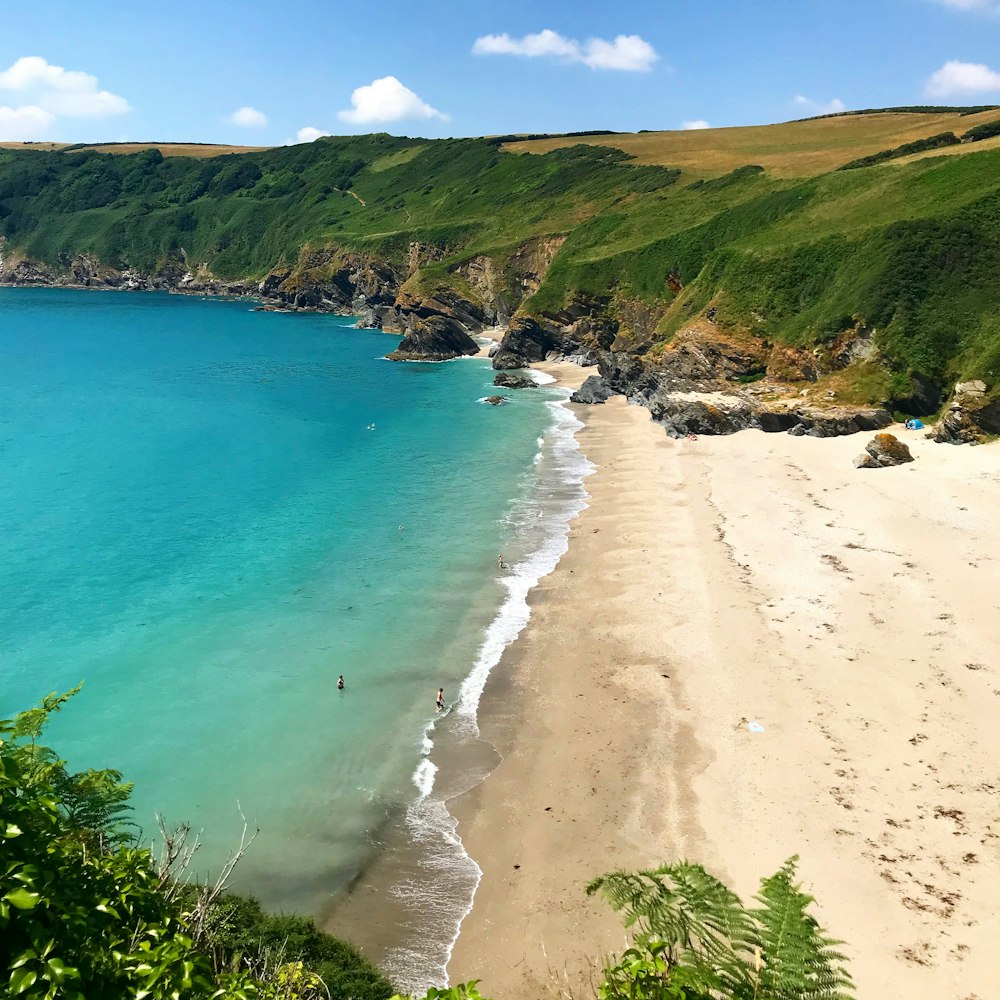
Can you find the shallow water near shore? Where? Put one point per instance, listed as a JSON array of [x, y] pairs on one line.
[[210, 514]]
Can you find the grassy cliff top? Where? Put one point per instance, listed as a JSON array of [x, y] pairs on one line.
[[788, 149], [762, 226]]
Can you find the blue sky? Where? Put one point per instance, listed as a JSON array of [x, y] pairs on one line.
[[262, 73]]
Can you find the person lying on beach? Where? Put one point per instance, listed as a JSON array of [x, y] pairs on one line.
[[440, 699]]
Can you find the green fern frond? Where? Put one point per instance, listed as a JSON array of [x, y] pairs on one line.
[[29, 724], [799, 961], [703, 923], [97, 802]]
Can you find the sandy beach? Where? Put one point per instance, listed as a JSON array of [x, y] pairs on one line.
[[853, 615]]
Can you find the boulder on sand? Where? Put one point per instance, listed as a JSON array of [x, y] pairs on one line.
[[883, 451]]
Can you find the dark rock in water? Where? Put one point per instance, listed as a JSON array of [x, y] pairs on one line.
[[593, 390], [970, 416], [508, 381], [496, 400], [436, 338], [883, 452]]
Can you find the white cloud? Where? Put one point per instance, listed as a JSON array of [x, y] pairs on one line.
[[544, 43], [955, 78], [59, 91], [27, 122], [819, 107], [309, 133], [630, 53], [697, 124], [386, 100], [627, 52], [248, 117]]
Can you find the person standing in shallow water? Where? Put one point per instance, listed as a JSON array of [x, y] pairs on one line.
[[340, 683], [440, 699]]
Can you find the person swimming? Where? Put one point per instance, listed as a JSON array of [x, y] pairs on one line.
[[440, 699], [340, 683]]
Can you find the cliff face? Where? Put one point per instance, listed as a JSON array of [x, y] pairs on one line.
[[706, 379], [435, 327], [714, 381]]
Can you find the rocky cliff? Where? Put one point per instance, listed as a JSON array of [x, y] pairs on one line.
[[705, 379], [698, 388]]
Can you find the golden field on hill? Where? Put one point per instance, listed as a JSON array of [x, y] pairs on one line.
[[792, 149]]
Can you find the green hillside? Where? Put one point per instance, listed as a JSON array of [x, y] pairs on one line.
[[908, 245]]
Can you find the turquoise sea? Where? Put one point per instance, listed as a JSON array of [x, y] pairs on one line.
[[209, 513]]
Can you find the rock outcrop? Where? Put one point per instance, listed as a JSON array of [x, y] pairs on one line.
[[508, 380], [685, 398], [526, 340], [704, 354], [593, 390], [436, 338], [971, 417], [495, 400], [883, 452]]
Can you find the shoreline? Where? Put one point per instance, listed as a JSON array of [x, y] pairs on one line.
[[851, 613], [404, 909]]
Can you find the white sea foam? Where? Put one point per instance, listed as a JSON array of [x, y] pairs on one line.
[[449, 877], [570, 467], [423, 777], [541, 378]]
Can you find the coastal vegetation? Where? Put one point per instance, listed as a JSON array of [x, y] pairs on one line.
[[87, 912], [646, 233]]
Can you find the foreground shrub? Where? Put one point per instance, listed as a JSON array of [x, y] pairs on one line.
[[85, 914]]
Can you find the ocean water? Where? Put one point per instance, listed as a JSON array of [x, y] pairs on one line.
[[210, 513]]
